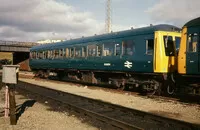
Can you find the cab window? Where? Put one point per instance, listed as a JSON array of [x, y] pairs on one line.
[[192, 42], [177, 42]]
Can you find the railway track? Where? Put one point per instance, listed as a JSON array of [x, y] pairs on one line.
[[110, 115], [184, 98], [191, 99]]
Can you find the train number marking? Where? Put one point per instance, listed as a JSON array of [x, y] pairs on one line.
[[128, 64], [107, 64]]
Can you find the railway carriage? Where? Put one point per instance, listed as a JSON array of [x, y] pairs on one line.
[[189, 57], [136, 58]]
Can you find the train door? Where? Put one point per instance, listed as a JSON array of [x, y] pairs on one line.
[[198, 45], [193, 54], [149, 53]]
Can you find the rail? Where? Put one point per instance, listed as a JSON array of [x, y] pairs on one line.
[[115, 116]]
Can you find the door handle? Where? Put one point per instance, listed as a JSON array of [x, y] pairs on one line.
[[191, 61]]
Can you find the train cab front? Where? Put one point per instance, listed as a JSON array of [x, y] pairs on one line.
[[165, 57], [166, 49]]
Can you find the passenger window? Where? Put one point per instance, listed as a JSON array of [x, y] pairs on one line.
[[40, 55], [33, 55], [108, 49], [169, 46], [61, 53], [128, 48], [84, 51], [92, 50], [48, 54], [45, 55], [37, 55], [192, 42], [64, 53], [149, 46], [71, 52], [99, 50], [51, 54], [78, 52], [67, 54], [117, 49], [56, 54]]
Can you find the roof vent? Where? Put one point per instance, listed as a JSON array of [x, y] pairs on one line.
[[151, 25], [82, 36], [132, 28]]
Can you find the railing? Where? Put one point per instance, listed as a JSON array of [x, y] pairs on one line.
[[16, 43]]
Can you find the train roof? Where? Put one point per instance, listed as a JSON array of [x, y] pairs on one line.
[[193, 22], [120, 34]]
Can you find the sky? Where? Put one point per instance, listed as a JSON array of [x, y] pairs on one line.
[[33, 20]]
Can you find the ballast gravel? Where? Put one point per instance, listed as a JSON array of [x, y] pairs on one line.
[[40, 116], [175, 109]]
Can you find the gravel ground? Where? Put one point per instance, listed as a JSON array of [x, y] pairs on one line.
[[41, 116], [174, 109]]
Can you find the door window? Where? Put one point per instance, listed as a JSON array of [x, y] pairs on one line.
[[169, 46]]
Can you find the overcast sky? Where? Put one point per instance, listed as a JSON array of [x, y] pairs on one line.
[[32, 20]]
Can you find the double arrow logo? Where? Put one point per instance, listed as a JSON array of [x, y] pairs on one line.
[[128, 64]]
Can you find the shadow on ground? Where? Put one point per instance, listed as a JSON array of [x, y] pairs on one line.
[[23, 107]]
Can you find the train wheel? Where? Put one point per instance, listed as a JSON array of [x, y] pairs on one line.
[[123, 87]]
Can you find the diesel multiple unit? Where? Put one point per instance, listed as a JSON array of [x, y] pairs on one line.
[[135, 58], [151, 59]]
